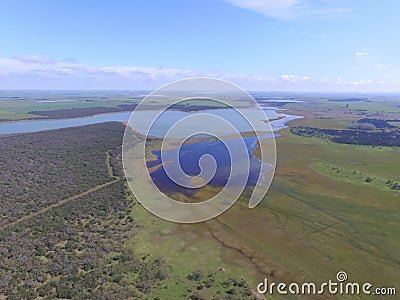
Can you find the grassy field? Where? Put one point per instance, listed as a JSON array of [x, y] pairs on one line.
[[312, 224], [320, 217], [17, 105], [343, 214], [189, 249], [352, 175]]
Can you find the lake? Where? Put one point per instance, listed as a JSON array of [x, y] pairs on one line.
[[189, 153], [165, 121], [189, 156]]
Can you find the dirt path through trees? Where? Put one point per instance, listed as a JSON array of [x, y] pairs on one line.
[[46, 209]]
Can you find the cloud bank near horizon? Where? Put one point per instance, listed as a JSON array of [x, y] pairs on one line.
[[36, 72], [291, 9]]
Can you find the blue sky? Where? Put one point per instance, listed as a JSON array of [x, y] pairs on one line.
[[335, 45]]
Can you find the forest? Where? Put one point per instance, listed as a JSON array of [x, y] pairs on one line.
[[82, 111], [75, 250], [67, 219], [90, 111], [369, 132], [39, 169]]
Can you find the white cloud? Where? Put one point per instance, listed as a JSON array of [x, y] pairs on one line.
[[370, 61], [35, 72], [363, 54], [271, 8], [287, 77], [338, 81], [293, 78], [289, 9], [361, 82], [381, 67], [39, 66], [31, 58]]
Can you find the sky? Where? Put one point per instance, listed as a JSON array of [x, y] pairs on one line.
[[271, 45]]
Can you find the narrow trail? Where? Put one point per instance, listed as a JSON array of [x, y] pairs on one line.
[[72, 198], [109, 166], [59, 203]]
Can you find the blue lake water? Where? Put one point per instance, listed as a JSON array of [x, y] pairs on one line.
[[165, 121], [189, 156], [41, 125], [189, 153]]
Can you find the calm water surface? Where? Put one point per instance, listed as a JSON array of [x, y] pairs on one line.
[[163, 123], [189, 154]]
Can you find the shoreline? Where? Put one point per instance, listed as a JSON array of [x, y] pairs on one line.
[[123, 110], [119, 115], [47, 118]]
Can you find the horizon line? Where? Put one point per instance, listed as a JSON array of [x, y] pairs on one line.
[[147, 90]]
